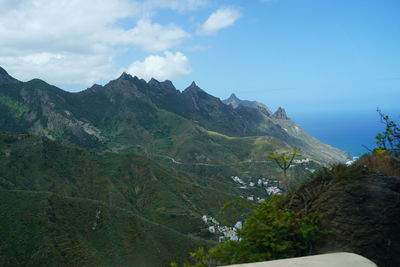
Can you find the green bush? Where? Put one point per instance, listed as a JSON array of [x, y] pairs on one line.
[[269, 233], [389, 140]]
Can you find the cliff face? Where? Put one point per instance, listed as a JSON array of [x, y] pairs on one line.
[[359, 207]]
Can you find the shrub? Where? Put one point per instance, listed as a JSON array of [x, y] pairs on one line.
[[269, 233], [389, 140]]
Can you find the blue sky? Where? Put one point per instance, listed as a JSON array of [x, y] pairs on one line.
[[305, 55]]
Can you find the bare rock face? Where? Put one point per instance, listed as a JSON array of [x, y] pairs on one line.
[[359, 208]]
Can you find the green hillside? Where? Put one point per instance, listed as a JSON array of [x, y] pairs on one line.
[[121, 174], [46, 229], [152, 119], [129, 181], [50, 191]]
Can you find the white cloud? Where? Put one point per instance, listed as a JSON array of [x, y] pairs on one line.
[[170, 66], [68, 68], [82, 26], [69, 42], [222, 18], [151, 37], [60, 25], [178, 5]]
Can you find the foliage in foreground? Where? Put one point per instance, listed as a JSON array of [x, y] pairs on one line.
[[386, 156], [389, 140], [284, 162], [269, 233], [381, 161]]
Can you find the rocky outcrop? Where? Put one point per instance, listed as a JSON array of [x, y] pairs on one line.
[[360, 210], [280, 114]]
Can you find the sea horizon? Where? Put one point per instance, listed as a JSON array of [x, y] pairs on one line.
[[352, 132]]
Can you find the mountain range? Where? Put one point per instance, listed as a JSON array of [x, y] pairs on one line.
[[110, 166], [129, 114]]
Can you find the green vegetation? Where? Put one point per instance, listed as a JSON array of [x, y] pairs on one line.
[[17, 109], [389, 140], [128, 115], [381, 161], [96, 206], [50, 195], [270, 232], [288, 226], [46, 229], [284, 161]]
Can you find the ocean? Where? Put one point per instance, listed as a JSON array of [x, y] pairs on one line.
[[351, 132]]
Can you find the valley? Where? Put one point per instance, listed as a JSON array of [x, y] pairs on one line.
[[199, 133], [129, 161]]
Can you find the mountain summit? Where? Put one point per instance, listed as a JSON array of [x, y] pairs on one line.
[[193, 88], [5, 78], [280, 114], [235, 102], [164, 87]]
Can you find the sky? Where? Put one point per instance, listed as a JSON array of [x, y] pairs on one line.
[[309, 56]]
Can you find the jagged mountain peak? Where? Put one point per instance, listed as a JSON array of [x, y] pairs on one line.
[[280, 114], [153, 81], [166, 86], [129, 105], [193, 88], [124, 74], [6, 78], [94, 87], [126, 79], [234, 101], [127, 76], [232, 97]]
